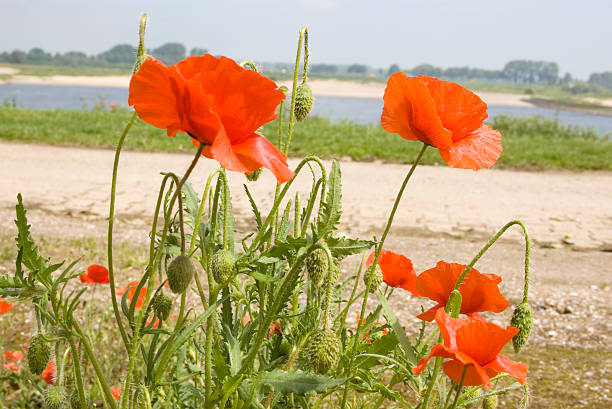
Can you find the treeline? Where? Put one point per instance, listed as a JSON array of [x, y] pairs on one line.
[[121, 55]]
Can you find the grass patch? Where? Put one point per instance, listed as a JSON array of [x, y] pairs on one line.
[[529, 143], [48, 70]]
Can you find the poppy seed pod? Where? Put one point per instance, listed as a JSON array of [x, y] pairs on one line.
[[303, 102], [521, 319], [162, 305], [454, 303], [55, 397], [373, 275], [323, 351], [317, 266], [180, 273], [490, 402], [222, 266], [38, 354]]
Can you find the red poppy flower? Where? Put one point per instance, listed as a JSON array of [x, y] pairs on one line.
[[48, 374], [5, 306], [116, 391], [131, 291], [155, 325], [13, 355], [444, 115], [476, 344], [385, 331], [479, 292], [217, 103], [11, 366], [275, 329], [397, 270], [96, 274]]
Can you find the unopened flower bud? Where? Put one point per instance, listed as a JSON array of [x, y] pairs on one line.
[[375, 276], [522, 320], [55, 397], [180, 273], [222, 266], [254, 175], [454, 303], [75, 400], [323, 351], [162, 305], [39, 354], [317, 266], [490, 402], [473, 394], [303, 102]]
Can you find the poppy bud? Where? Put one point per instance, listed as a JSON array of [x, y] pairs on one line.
[[285, 347], [522, 320], [38, 354], [222, 266], [75, 400], [303, 102], [162, 305], [454, 303], [375, 276], [254, 175], [55, 397], [141, 54], [473, 394], [490, 402], [180, 273], [317, 266], [323, 351]]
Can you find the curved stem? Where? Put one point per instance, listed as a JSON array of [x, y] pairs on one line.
[[77, 372], [111, 220], [293, 91]]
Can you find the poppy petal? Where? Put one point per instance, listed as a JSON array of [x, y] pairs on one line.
[[154, 92], [460, 110], [517, 370], [479, 149], [257, 152], [410, 111], [397, 270], [11, 366], [192, 66], [437, 283], [98, 273], [474, 375], [430, 314], [480, 292], [5, 307]]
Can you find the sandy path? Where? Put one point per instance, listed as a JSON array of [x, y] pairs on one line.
[[558, 207]]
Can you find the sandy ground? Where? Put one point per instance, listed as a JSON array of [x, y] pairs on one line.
[[319, 87]]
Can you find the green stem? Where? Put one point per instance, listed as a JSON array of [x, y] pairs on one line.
[[111, 220], [376, 256], [459, 387], [294, 89], [77, 372]]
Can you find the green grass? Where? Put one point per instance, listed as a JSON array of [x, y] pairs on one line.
[[48, 70], [529, 143]]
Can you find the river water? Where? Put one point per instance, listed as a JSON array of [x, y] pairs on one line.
[[360, 110]]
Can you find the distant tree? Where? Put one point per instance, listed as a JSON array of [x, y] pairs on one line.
[[567, 79], [17, 57], [602, 79], [357, 69], [198, 51], [393, 69], [38, 56], [121, 54], [73, 58], [170, 53], [457, 73], [531, 72], [323, 69], [427, 69]]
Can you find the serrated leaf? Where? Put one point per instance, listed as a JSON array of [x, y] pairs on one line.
[[330, 212], [298, 381], [400, 332], [254, 207], [341, 247], [283, 228], [31, 257], [191, 203]]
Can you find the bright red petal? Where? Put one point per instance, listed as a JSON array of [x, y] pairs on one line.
[[48, 374], [437, 283], [518, 370], [410, 111], [116, 391], [155, 93], [13, 355], [479, 149], [5, 307], [474, 375], [397, 270], [11, 366], [98, 273], [430, 314], [192, 66], [480, 292], [258, 152], [85, 278], [460, 110]]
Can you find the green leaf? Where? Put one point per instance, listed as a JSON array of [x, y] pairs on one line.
[[330, 212], [341, 247], [283, 228], [400, 332], [31, 257], [298, 381], [254, 207], [191, 203]]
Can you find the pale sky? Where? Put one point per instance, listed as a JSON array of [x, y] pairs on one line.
[[479, 33]]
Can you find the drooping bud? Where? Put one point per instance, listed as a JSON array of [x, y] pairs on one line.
[[180, 273], [55, 397], [254, 175], [317, 266], [323, 351], [141, 53], [75, 400], [375, 276], [454, 303], [490, 402], [162, 305], [222, 266], [303, 102], [522, 320], [473, 394], [39, 354]]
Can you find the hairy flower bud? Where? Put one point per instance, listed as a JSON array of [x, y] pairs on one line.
[[222, 266], [473, 394], [303, 102], [75, 400], [55, 397], [522, 320], [373, 275], [254, 175], [323, 351], [162, 305], [454, 303], [180, 273], [490, 402], [317, 266], [39, 354]]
